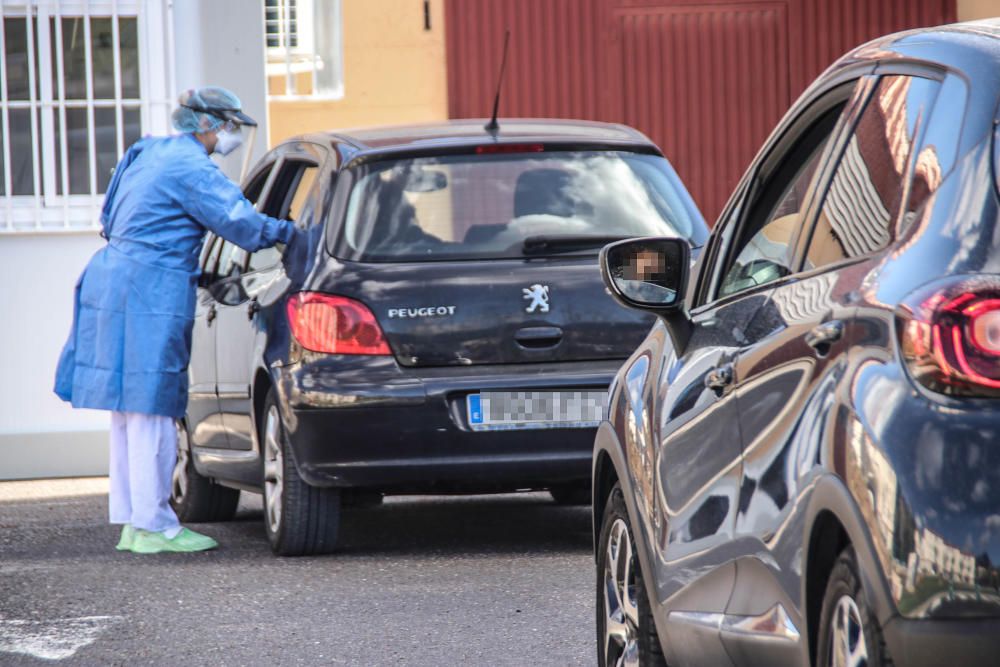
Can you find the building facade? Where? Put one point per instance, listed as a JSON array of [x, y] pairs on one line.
[[80, 80]]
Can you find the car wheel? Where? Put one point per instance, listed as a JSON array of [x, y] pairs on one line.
[[571, 494], [195, 498], [626, 633], [300, 519], [849, 633]]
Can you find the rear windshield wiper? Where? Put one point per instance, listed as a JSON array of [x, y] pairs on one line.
[[534, 245]]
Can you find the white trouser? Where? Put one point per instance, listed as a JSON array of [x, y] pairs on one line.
[[143, 453]]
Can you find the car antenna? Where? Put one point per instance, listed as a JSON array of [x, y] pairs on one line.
[[493, 126]]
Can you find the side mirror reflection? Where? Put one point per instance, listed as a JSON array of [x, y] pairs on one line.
[[649, 273]]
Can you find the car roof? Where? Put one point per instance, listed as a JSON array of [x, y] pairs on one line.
[[462, 135], [971, 48]]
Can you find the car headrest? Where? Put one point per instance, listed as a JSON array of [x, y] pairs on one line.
[[543, 191]]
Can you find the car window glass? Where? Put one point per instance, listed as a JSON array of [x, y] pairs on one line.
[[303, 189], [254, 189], [209, 255], [505, 205], [937, 147], [865, 193], [230, 261], [295, 205], [767, 252]]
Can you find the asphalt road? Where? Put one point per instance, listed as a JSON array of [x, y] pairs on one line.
[[485, 580]]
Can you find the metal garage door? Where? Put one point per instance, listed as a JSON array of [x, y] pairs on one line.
[[706, 80]]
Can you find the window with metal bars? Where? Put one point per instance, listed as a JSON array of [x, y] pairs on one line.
[[72, 99], [304, 52]]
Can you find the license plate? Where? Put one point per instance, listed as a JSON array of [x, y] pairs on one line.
[[498, 410]]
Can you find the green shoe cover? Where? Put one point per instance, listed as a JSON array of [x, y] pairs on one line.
[[185, 541], [128, 534]]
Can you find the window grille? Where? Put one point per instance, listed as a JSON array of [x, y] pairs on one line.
[[80, 80], [304, 51]]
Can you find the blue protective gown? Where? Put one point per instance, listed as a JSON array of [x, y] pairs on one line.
[[130, 343]]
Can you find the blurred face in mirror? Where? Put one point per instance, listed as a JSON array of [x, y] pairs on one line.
[[647, 274], [644, 265]]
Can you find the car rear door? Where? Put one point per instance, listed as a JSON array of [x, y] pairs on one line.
[[255, 285], [789, 378]]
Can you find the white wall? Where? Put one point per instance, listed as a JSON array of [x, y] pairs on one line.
[[39, 434], [230, 53]]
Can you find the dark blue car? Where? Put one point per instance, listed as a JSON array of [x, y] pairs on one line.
[[448, 330], [801, 464]]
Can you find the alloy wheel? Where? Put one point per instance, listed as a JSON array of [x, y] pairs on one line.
[[179, 478], [847, 634], [273, 469], [621, 611]]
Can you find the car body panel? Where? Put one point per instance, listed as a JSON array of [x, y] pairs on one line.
[[464, 313], [839, 446]]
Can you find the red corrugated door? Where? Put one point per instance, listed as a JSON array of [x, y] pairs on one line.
[[684, 73], [705, 79]]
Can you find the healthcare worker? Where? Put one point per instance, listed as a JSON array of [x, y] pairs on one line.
[[130, 343]]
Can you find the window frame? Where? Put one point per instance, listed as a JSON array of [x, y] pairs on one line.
[[852, 89], [287, 61], [44, 210], [287, 153], [873, 81]]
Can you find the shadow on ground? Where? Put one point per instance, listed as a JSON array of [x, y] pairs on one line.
[[415, 525]]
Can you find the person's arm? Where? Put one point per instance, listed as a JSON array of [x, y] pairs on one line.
[[219, 205]]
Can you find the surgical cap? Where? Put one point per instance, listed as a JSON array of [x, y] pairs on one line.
[[205, 109]]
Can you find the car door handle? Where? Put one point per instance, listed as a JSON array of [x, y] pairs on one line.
[[719, 378], [822, 336], [210, 315], [253, 308]]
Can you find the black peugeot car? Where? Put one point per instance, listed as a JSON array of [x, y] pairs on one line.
[[447, 332], [801, 464]]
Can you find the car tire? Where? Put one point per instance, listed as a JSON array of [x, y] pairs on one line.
[[195, 498], [849, 633], [622, 603], [571, 494], [300, 519]]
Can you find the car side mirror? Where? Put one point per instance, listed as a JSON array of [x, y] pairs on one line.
[[651, 274], [647, 273]]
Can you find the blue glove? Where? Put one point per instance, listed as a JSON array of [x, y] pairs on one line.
[[296, 256]]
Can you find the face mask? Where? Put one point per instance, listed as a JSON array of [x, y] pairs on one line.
[[226, 142]]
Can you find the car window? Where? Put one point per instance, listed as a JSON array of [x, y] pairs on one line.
[[291, 189], [489, 205], [936, 148], [231, 259], [210, 255], [864, 196], [297, 205], [766, 251]]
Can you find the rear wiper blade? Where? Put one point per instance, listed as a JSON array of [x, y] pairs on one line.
[[565, 243]]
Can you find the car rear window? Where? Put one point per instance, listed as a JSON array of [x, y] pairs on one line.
[[512, 205]]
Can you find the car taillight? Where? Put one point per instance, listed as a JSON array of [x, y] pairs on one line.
[[949, 336], [335, 325]]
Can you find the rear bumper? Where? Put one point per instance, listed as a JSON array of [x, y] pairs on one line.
[[966, 642], [365, 422]]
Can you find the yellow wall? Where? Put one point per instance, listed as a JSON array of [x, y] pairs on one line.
[[970, 10], [394, 72]]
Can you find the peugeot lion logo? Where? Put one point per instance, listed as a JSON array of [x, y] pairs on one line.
[[539, 296]]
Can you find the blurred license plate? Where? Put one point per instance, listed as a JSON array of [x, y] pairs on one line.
[[497, 410]]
